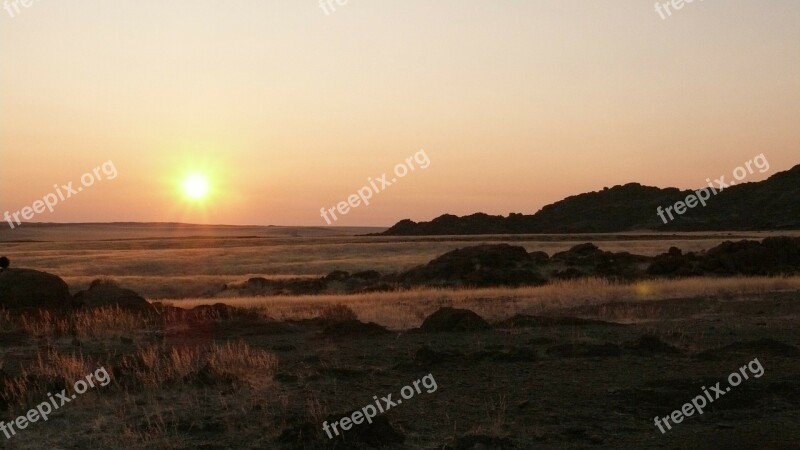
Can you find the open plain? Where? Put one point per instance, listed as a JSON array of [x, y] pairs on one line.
[[584, 363]]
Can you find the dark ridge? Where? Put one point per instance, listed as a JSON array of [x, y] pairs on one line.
[[772, 204]]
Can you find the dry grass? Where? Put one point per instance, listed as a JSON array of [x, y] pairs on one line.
[[402, 310], [156, 367]]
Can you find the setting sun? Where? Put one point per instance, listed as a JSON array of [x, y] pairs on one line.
[[195, 186]]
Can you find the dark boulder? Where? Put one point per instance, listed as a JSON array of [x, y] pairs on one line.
[[588, 260], [675, 263], [368, 275], [105, 293], [772, 256], [452, 319], [479, 266], [26, 289], [337, 275]]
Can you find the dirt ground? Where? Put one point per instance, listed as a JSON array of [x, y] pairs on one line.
[[578, 385], [552, 381]]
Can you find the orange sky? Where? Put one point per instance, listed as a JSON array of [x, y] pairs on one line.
[[286, 110]]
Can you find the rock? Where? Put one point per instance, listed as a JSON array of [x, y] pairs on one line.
[[452, 319], [478, 266], [215, 311], [104, 293], [675, 264], [648, 345], [27, 289], [352, 328], [539, 257], [367, 275], [588, 260], [772, 256], [337, 275]]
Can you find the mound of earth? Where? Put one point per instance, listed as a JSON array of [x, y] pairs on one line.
[[104, 293], [453, 319], [26, 289], [478, 266]]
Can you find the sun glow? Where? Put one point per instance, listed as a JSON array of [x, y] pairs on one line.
[[196, 186]]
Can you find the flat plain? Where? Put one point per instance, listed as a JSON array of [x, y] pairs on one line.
[[583, 363]]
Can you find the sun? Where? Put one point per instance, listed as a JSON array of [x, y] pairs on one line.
[[196, 186]]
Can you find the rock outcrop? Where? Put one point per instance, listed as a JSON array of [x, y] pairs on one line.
[[27, 289], [105, 293]]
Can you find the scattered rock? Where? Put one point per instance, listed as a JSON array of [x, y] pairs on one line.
[[451, 320], [478, 266], [772, 256], [588, 260], [675, 264], [105, 293]]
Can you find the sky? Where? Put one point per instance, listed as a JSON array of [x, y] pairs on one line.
[[284, 109]]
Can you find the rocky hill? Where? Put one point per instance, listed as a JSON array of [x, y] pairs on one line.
[[772, 204]]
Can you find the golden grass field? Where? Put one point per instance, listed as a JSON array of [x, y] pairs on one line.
[[161, 262]]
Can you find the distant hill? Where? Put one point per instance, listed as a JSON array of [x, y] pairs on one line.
[[772, 204]]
